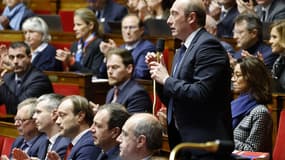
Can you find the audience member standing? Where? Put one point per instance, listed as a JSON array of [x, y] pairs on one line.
[[248, 35], [14, 15], [277, 41], [84, 55], [132, 32], [107, 11], [141, 137], [75, 117], [37, 37], [252, 122], [126, 90], [107, 126], [25, 81], [199, 85]]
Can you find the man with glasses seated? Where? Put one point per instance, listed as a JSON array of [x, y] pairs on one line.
[[132, 32], [30, 139]]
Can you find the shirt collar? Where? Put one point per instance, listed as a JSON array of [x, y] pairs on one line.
[[190, 38], [76, 139], [130, 47]]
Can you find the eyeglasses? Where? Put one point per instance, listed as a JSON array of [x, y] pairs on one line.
[[129, 27], [21, 121]]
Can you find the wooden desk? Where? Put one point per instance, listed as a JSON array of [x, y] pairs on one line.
[[8, 129]]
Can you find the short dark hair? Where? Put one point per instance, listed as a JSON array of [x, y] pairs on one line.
[[81, 104], [253, 22], [117, 113], [124, 54], [19, 44]]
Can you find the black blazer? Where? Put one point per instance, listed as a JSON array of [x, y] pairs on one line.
[[34, 84], [92, 58]]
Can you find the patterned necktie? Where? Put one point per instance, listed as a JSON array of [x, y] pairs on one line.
[[115, 96]]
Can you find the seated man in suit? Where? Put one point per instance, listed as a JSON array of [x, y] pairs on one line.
[[228, 13], [126, 90], [141, 137], [30, 139], [75, 117], [14, 15], [45, 117], [107, 126], [25, 81], [248, 35], [132, 32], [107, 11]]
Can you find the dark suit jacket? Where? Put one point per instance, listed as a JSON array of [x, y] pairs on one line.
[[34, 149], [200, 92], [84, 149], [226, 25], [45, 60], [112, 12], [34, 84], [264, 49], [112, 154], [141, 69], [132, 96], [275, 12], [92, 58], [59, 147]]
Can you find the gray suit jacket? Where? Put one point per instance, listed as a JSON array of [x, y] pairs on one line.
[[276, 11]]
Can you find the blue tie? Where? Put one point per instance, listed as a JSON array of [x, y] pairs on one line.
[[180, 53]]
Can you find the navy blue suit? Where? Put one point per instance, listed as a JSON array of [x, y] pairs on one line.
[[112, 12], [45, 60], [199, 93], [112, 154], [132, 96], [84, 149], [141, 69], [264, 49], [226, 25], [59, 146], [34, 84], [34, 148]]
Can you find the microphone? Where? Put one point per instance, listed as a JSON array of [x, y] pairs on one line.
[[159, 50]]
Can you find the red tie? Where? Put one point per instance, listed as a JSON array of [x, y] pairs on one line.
[[68, 150]]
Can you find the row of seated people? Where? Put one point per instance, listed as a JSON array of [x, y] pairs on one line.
[[55, 127], [223, 12], [135, 99]]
